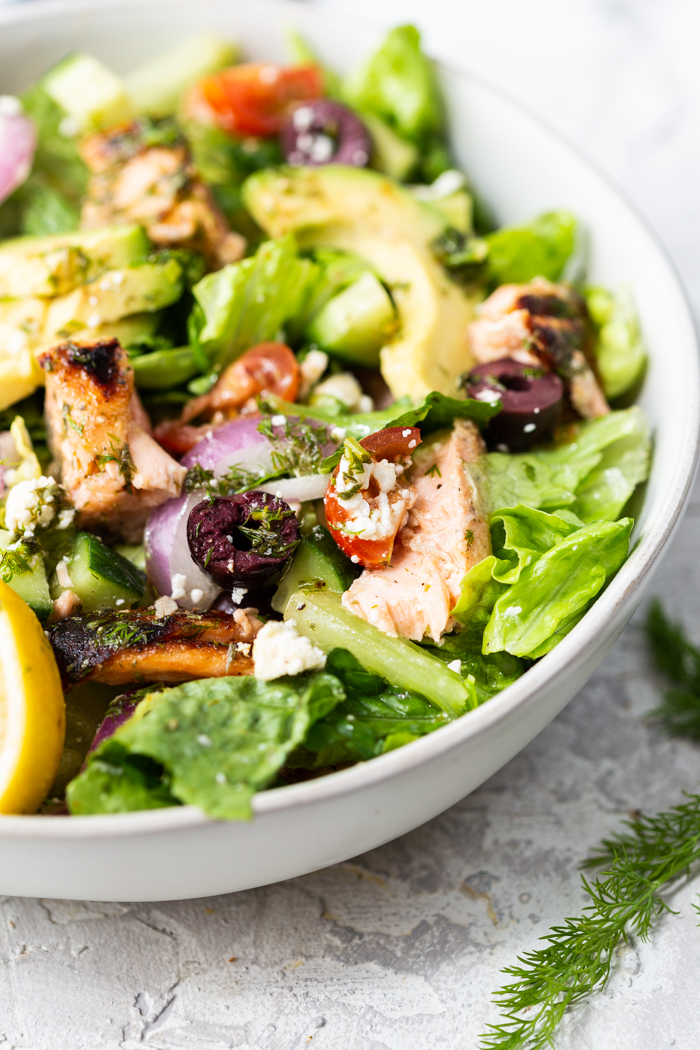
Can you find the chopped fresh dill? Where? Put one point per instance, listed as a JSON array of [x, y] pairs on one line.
[[198, 477], [469, 537], [68, 420], [679, 712], [15, 561], [117, 630], [433, 471], [265, 539]]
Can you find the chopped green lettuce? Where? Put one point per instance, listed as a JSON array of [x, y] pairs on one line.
[[553, 592], [249, 301], [620, 352], [374, 718], [540, 248], [398, 83], [545, 571], [594, 473], [438, 411], [210, 743], [492, 672]]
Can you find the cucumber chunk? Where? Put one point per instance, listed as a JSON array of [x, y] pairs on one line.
[[354, 324], [101, 577], [56, 264], [114, 295], [157, 87], [32, 587], [317, 561], [88, 92], [320, 617]]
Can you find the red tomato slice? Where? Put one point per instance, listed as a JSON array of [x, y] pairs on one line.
[[254, 98], [396, 445]]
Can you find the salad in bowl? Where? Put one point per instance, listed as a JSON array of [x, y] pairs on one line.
[[303, 457]]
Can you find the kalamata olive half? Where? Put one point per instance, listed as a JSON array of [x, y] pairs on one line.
[[531, 402], [243, 539], [324, 132]]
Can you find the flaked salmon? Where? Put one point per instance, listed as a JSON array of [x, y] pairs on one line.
[[113, 471], [445, 535], [542, 324], [155, 185], [139, 646]]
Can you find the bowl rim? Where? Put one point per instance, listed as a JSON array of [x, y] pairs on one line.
[[629, 581]]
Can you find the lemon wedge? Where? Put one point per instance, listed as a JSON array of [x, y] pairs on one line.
[[32, 709]]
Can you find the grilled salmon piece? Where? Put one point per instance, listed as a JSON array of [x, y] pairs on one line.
[[112, 469], [158, 187], [445, 535], [541, 324], [138, 646]]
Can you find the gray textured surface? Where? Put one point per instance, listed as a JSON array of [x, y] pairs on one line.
[[402, 948]]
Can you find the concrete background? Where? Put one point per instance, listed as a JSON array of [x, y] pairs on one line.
[[401, 949]]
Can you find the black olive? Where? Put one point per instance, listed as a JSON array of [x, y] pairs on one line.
[[243, 539], [325, 132], [531, 402]]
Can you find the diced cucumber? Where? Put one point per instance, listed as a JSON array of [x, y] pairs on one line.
[[32, 586], [88, 92], [157, 87], [320, 617], [164, 369], [354, 324], [317, 560], [101, 577], [391, 154], [58, 263], [114, 295], [133, 552]]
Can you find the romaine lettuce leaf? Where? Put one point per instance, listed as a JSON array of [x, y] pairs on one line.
[[249, 301], [398, 83], [620, 352], [540, 248], [521, 535], [553, 592], [438, 411], [375, 717], [217, 741], [551, 478], [491, 672]]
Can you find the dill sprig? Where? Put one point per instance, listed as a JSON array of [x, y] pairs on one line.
[[16, 561], [626, 898], [679, 712], [641, 864]]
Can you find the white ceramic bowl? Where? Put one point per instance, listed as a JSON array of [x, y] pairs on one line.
[[521, 169]]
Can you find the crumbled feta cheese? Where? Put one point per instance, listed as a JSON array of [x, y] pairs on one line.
[[196, 594], [204, 740], [278, 421], [338, 433], [220, 778], [321, 149], [312, 368], [303, 118], [164, 606], [65, 518], [31, 505], [456, 666], [513, 610], [238, 594], [344, 388], [177, 585], [528, 428], [354, 559], [62, 575], [278, 650], [119, 601], [366, 404]]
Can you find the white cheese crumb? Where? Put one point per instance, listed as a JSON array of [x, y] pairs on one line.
[[204, 740], [65, 518], [238, 594], [344, 388], [354, 559], [312, 367], [513, 610], [196, 594], [220, 778], [119, 601], [30, 505], [528, 428], [278, 650], [278, 421], [164, 606], [177, 585], [62, 575], [456, 666]]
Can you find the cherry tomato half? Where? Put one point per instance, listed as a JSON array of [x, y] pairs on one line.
[[253, 98], [394, 444]]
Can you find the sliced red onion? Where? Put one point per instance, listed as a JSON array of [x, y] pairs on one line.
[[240, 443], [298, 490], [17, 145], [119, 711]]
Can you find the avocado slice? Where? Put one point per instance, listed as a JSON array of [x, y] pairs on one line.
[[362, 211], [353, 325], [116, 294], [57, 263]]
